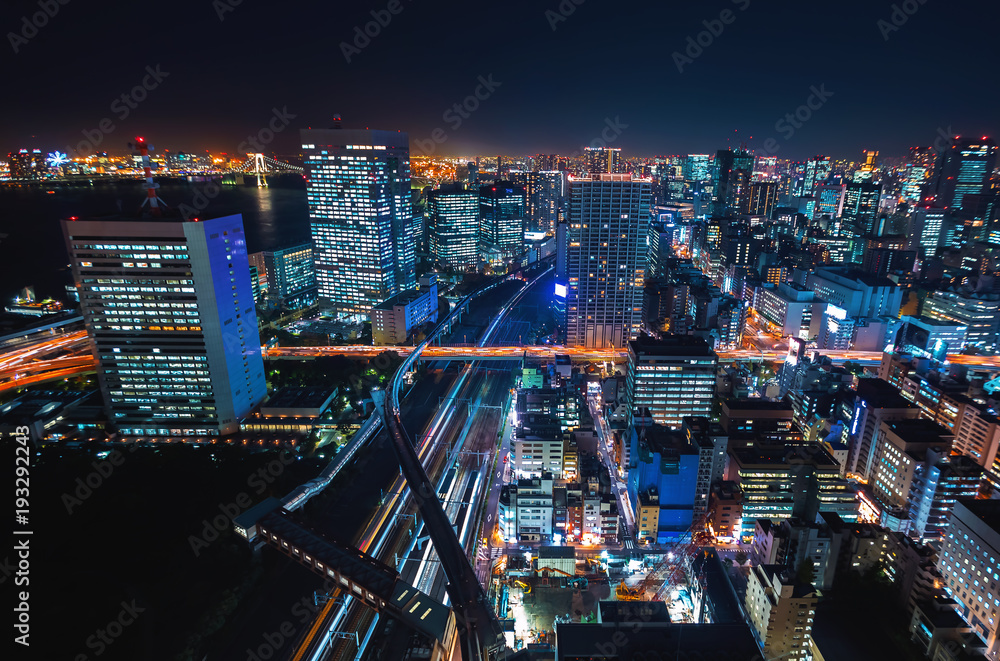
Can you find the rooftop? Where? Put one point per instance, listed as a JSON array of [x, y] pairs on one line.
[[786, 576], [551, 552], [670, 345], [402, 298], [756, 404], [708, 642], [615, 612], [37, 406], [292, 397], [792, 455], [920, 430], [856, 275], [987, 511], [881, 394]]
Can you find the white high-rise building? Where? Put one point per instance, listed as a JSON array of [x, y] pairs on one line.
[[169, 309], [363, 230], [970, 564], [605, 264], [781, 611]]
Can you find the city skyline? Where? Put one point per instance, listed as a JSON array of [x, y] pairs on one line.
[[472, 333]]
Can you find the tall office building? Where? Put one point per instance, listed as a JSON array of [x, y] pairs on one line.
[[763, 195], [791, 481], [927, 229], [289, 275], [605, 259], [965, 169], [502, 206], [603, 160], [453, 226], [817, 172], [979, 312], [868, 169], [545, 191], [970, 565], [781, 610], [26, 164], [733, 171], [861, 204], [169, 309], [545, 162], [363, 229], [919, 173], [830, 201], [875, 402], [673, 378], [697, 168]]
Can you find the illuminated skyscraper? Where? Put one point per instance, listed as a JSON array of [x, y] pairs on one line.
[[289, 275], [363, 230], [502, 214], [868, 170], [732, 174], [966, 168], [673, 377], [604, 160], [26, 164], [605, 264], [169, 309], [969, 562], [697, 168], [830, 200], [762, 198], [861, 202], [453, 226], [544, 191], [817, 172], [927, 229], [979, 312], [919, 173]]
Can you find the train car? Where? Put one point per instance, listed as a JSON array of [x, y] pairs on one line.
[[446, 485]]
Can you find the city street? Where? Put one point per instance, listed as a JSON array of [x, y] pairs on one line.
[[618, 485]]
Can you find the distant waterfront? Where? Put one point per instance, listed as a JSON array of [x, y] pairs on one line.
[[33, 252]]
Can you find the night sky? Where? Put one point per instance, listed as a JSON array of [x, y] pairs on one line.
[[558, 89]]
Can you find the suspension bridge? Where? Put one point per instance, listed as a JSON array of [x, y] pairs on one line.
[[260, 166]]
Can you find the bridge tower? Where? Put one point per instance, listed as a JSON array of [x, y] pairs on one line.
[[259, 169]]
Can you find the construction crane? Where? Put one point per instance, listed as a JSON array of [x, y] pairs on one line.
[[669, 569]]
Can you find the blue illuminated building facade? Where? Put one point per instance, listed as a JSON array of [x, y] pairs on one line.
[[169, 309], [663, 459]]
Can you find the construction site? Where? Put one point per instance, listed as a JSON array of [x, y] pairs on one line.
[[533, 590]]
